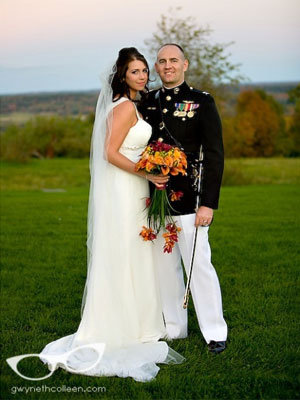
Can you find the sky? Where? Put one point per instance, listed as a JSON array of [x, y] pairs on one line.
[[63, 45]]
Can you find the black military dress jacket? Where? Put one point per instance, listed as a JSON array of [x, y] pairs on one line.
[[190, 118]]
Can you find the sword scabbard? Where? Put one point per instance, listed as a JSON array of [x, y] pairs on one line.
[[187, 291]]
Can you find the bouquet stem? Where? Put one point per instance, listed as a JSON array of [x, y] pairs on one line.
[[159, 212]]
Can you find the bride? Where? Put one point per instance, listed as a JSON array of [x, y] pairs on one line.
[[121, 306]]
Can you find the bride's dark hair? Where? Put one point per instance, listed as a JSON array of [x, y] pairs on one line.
[[118, 84]]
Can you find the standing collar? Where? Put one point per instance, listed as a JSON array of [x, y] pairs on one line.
[[176, 89]]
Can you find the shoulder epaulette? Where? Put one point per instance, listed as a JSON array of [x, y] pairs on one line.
[[200, 91]]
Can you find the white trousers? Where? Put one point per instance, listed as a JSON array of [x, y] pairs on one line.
[[205, 287]]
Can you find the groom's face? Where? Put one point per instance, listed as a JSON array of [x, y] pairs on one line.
[[171, 65]]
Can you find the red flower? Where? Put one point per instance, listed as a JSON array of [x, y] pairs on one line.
[[171, 237], [148, 201], [147, 234], [172, 228], [160, 146], [166, 147], [168, 247], [175, 196]]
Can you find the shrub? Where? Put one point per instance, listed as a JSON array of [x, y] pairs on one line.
[[47, 137]]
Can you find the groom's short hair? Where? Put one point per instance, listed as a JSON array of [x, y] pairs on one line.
[[172, 44]]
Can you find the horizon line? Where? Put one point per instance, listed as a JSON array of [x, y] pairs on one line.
[[67, 91]]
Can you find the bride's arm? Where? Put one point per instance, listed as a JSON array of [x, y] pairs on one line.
[[124, 117]]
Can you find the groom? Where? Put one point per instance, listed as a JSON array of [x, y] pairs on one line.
[[188, 118]]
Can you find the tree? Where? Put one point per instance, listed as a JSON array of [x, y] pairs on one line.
[[281, 144], [294, 94], [257, 125], [294, 130], [209, 65]]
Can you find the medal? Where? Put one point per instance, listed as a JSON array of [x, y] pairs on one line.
[[185, 109]]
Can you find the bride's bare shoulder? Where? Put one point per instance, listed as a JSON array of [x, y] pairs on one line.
[[124, 108]]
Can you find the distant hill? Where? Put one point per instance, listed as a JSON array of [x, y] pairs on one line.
[[279, 90], [84, 102], [61, 103]]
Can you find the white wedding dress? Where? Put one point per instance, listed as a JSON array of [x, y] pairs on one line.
[[123, 308]]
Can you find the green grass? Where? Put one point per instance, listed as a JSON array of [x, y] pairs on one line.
[[72, 172], [46, 173], [245, 171], [254, 248]]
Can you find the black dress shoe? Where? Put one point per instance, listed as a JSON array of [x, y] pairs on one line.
[[216, 347]]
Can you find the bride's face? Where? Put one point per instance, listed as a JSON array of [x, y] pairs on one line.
[[136, 75]]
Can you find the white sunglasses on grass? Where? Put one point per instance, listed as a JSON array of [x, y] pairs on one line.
[[64, 359]]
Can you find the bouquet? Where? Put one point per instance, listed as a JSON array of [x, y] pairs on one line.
[[162, 158]]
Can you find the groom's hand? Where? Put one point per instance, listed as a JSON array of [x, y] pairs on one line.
[[204, 216]]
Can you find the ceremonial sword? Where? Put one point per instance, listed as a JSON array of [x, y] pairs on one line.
[[187, 290]]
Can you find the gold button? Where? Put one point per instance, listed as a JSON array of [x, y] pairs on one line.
[[183, 119], [165, 110], [168, 98]]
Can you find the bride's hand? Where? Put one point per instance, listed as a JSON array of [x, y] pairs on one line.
[[158, 180]]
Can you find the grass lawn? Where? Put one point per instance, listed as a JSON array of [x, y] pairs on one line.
[[254, 248], [72, 172]]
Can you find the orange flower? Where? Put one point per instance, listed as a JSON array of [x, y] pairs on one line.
[[140, 164], [165, 170], [163, 158], [168, 247], [177, 153], [147, 234], [184, 162], [175, 196], [149, 166], [181, 169], [171, 237], [174, 171], [158, 159], [168, 161], [172, 227]]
